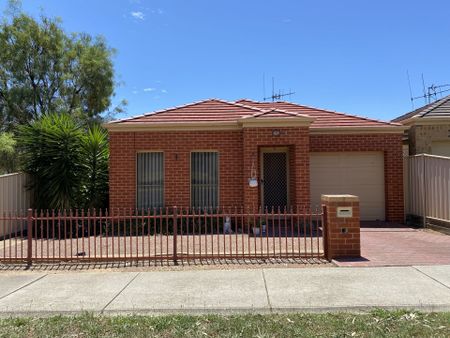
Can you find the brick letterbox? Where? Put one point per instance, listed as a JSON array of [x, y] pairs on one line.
[[342, 226]]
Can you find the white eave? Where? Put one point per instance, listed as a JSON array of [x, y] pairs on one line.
[[251, 123]]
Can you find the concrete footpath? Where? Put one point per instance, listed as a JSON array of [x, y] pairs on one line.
[[425, 288]]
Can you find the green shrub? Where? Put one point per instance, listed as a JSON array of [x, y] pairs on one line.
[[68, 165], [95, 153]]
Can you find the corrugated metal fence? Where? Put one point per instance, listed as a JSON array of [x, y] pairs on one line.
[[13, 196], [427, 187]]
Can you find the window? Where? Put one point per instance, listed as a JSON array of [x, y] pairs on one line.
[[150, 180], [204, 179]]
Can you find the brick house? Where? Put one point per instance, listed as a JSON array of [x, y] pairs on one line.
[[251, 154], [429, 128]]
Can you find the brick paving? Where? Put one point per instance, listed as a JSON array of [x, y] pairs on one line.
[[401, 246], [389, 245]]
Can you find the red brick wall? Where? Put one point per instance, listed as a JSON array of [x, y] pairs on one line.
[[391, 145], [176, 146], [297, 141], [238, 149], [122, 176]]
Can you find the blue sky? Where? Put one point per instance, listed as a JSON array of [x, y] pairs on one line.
[[350, 55]]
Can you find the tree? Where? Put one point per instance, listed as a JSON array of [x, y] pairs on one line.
[[68, 166], [8, 159], [43, 70]]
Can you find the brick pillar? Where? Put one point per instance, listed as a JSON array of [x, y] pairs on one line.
[[342, 226]]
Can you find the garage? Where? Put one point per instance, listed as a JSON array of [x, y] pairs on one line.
[[356, 173]]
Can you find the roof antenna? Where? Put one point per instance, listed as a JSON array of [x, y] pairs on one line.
[[410, 90], [430, 93], [264, 85], [277, 96], [424, 92], [273, 88]]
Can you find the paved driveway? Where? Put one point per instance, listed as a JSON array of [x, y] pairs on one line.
[[399, 245]]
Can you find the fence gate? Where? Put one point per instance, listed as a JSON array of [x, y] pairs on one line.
[[160, 234]]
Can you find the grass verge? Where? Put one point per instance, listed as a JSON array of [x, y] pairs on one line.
[[374, 324]]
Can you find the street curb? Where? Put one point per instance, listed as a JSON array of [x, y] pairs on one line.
[[229, 311]]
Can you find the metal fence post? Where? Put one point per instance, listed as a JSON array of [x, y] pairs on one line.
[[175, 235], [30, 237]]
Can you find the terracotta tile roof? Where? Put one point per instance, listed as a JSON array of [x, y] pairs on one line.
[[211, 110], [322, 118], [216, 110], [275, 113]]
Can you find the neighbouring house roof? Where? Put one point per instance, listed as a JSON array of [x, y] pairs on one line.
[[215, 112], [439, 109]]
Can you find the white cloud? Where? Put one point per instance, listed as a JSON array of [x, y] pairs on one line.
[[138, 15], [134, 91], [149, 89], [164, 91]]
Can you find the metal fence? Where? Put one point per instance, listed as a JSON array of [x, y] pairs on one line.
[[427, 187], [14, 195], [162, 234]]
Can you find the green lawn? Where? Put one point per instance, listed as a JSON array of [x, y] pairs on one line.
[[374, 324]]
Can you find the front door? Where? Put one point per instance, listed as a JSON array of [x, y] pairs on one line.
[[274, 178]]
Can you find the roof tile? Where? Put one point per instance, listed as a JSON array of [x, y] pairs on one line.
[[323, 118]]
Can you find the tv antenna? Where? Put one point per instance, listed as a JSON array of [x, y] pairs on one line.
[[276, 96], [430, 93]]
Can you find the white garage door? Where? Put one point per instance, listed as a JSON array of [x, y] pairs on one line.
[[356, 173], [441, 148]]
